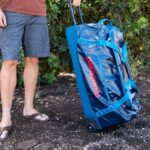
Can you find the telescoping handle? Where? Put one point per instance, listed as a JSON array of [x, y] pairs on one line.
[[72, 12]]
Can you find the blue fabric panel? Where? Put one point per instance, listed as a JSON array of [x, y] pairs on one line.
[[100, 59]]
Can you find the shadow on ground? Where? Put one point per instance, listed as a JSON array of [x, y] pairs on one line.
[[66, 128]]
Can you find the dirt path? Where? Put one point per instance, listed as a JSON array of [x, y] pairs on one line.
[[66, 128]]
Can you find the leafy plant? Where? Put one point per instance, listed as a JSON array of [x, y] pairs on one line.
[[131, 16]]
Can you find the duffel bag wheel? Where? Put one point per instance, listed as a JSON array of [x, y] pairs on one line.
[[91, 127]]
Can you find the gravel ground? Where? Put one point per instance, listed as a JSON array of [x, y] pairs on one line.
[[66, 128]]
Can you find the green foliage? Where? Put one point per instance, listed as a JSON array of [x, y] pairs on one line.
[[49, 68], [131, 16], [20, 69]]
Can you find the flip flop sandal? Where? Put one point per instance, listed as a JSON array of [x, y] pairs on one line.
[[4, 132], [34, 117]]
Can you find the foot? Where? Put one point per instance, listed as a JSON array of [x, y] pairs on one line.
[[35, 115], [5, 127], [4, 131]]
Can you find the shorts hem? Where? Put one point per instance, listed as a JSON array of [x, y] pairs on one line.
[[38, 56], [10, 59]]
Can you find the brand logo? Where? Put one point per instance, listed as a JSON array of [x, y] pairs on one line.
[[92, 77]]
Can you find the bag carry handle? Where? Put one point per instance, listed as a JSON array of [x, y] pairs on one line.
[[72, 12], [103, 21]]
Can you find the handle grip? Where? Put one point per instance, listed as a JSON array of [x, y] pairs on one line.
[[103, 21]]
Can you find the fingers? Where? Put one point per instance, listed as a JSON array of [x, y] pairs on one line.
[[3, 22]]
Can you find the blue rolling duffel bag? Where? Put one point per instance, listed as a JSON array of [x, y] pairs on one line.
[[100, 59]]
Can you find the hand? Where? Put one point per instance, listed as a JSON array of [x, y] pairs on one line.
[[76, 3], [3, 22]]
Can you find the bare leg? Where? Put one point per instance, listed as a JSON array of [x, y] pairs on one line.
[[8, 83], [30, 81]]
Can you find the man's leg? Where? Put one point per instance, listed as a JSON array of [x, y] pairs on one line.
[[35, 43], [8, 83], [30, 81]]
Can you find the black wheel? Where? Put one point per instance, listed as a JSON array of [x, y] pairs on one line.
[[91, 127]]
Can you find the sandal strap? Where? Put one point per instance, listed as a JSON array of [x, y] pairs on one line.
[[7, 128], [36, 115]]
